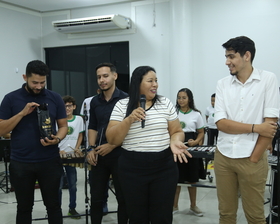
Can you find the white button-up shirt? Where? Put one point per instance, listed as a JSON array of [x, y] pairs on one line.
[[249, 103]]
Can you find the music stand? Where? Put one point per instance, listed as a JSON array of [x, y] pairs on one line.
[[5, 154]]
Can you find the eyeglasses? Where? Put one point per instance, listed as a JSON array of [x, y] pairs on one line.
[[69, 106]]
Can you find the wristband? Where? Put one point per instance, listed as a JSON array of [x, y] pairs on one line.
[[90, 148], [59, 139], [253, 128]]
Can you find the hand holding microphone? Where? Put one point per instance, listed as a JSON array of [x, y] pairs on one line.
[[143, 105]]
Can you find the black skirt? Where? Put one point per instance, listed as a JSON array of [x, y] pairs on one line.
[[193, 170]]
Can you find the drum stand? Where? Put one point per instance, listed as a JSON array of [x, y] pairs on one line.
[[275, 173], [207, 160], [86, 167], [4, 183], [278, 178], [86, 187]]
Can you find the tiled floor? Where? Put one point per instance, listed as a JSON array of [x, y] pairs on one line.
[[206, 201]]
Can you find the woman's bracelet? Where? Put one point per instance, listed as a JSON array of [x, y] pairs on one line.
[[253, 128]]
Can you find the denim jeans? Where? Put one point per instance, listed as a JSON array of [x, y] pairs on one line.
[[23, 177], [71, 174]]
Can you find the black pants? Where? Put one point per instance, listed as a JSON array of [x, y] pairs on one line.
[[212, 136], [148, 180], [23, 178], [99, 178]]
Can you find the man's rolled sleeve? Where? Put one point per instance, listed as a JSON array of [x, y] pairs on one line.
[[271, 112], [219, 115]]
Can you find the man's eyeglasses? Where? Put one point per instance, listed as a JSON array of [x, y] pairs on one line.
[[69, 106]]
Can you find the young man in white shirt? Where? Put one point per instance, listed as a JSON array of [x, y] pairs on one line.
[[246, 113]]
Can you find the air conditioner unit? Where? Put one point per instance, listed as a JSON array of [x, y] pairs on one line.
[[89, 24]]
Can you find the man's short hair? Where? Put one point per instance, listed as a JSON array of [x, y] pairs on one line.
[[241, 45], [107, 64], [36, 67]]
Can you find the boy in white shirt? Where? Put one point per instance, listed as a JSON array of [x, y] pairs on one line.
[[71, 144]]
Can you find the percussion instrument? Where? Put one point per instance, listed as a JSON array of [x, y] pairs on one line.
[[73, 159], [202, 151], [209, 151], [272, 160]]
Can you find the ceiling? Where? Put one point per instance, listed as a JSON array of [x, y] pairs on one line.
[[54, 5]]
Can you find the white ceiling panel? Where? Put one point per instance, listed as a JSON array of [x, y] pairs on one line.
[[54, 5]]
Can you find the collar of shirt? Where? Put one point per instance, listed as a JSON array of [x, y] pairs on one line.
[[254, 75], [116, 94]]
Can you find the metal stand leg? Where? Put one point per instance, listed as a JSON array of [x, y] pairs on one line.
[[272, 213], [6, 175]]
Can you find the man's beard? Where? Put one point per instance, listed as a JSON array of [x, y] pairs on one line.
[[31, 91], [105, 89]]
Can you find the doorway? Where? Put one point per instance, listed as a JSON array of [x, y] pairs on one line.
[[72, 69]]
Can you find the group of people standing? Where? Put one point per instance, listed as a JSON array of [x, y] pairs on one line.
[[144, 147]]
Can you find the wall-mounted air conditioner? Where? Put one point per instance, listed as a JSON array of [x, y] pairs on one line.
[[89, 24]]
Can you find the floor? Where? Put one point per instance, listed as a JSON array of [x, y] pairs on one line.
[[206, 201]]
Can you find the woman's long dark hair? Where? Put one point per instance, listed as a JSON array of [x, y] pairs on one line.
[[134, 89], [190, 97]]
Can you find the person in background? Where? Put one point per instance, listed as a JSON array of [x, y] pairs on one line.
[[104, 156], [70, 145], [192, 124], [147, 169], [32, 157], [246, 112], [86, 115], [212, 132]]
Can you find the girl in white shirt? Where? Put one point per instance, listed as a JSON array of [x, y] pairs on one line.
[[192, 124]]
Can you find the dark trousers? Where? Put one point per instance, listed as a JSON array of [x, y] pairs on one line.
[[106, 195], [149, 181], [212, 136], [100, 175], [23, 177]]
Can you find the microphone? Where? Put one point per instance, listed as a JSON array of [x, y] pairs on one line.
[[85, 112], [143, 105]]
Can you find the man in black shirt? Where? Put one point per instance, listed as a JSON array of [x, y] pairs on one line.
[[104, 158]]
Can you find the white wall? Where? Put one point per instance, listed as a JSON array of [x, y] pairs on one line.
[[20, 42], [184, 46], [216, 21]]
